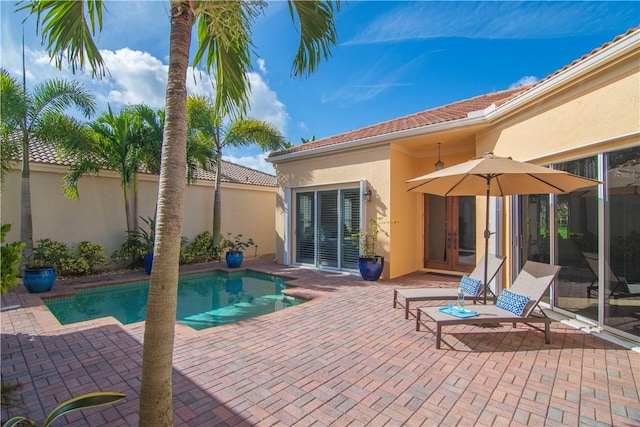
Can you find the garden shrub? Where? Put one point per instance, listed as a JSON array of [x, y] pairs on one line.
[[200, 249], [132, 251], [10, 260], [68, 262]]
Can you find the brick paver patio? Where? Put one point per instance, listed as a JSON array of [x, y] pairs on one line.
[[345, 358]]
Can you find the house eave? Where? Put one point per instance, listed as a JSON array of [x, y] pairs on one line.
[[378, 140]]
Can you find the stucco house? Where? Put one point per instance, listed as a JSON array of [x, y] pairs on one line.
[[98, 215], [584, 118]]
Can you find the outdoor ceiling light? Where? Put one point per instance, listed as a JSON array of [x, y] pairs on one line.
[[439, 164], [367, 194]]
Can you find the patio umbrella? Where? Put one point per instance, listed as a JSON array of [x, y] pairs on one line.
[[491, 175]]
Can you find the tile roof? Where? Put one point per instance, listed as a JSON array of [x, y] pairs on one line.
[[447, 113], [231, 172]]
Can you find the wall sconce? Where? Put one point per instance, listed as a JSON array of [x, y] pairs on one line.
[[439, 164], [367, 194]]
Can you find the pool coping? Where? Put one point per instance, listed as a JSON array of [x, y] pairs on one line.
[[67, 287]]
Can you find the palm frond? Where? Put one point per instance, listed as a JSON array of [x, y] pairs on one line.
[[67, 31], [251, 131], [317, 33]]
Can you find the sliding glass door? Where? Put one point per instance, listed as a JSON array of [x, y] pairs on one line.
[[325, 220]]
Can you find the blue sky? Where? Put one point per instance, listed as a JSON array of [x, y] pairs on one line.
[[393, 58]]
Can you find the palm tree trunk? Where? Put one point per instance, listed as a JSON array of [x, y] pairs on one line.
[[217, 207], [156, 407], [135, 201], [26, 221], [127, 207]]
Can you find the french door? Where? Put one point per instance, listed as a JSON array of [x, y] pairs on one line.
[[450, 228]]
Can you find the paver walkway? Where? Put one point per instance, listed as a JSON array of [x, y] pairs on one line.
[[345, 358]]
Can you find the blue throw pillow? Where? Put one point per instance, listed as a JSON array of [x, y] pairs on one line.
[[470, 286], [512, 302]]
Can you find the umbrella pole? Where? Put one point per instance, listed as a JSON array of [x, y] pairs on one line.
[[487, 234]]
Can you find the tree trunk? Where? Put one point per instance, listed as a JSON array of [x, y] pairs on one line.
[[136, 215], [217, 207], [156, 407], [127, 207], [26, 222]]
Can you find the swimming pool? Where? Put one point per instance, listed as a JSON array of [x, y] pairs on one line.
[[204, 300]]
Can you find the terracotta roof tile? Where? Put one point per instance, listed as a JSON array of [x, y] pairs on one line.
[[231, 172], [456, 111]]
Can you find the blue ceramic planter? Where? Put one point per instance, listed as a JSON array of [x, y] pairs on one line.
[[38, 280], [234, 259], [148, 263], [371, 268]]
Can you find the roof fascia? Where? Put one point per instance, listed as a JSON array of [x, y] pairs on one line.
[[610, 53], [472, 120]]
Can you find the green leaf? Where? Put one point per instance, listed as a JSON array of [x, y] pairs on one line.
[[83, 401]]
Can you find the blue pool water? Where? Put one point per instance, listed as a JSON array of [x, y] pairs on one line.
[[204, 300]]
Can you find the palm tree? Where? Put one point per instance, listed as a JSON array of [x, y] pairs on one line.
[[206, 125], [224, 46], [113, 144], [38, 116]]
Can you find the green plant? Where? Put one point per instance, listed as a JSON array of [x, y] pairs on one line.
[[234, 243], [200, 249], [11, 257], [148, 237], [366, 239], [67, 261], [87, 400]]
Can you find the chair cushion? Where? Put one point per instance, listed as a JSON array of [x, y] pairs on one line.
[[512, 302], [470, 286]]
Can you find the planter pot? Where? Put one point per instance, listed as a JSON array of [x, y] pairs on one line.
[[371, 268], [234, 259], [38, 280], [148, 263]]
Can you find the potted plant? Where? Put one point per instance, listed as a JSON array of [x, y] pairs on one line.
[[39, 272], [235, 246], [370, 264], [148, 240]]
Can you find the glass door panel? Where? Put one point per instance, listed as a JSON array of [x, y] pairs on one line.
[[622, 265], [351, 225], [305, 228], [576, 219], [328, 230]]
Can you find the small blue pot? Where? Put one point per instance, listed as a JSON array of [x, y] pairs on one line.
[[148, 263], [234, 259], [371, 268], [38, 280]]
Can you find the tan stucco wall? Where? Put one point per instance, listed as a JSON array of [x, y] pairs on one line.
[[98, 215], [336, 170]]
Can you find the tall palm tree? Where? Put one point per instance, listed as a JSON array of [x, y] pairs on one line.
[[224, 47], [207, 125], [33, 116]]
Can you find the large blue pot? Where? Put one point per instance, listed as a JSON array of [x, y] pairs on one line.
[[148, 263], [371, 268], [234, 259], [38, 280]]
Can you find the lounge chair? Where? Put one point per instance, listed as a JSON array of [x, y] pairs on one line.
[[618, 285], [427, 294], [532, 282]]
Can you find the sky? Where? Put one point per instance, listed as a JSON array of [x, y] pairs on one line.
[[393, 58]]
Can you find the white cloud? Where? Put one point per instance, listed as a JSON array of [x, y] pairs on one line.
[[262, 66], [256, 162], [523, 81], [265, 105]]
